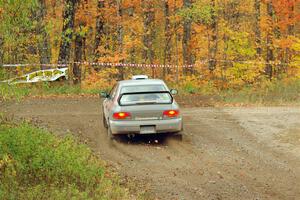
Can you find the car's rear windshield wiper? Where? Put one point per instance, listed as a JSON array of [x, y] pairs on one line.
[[146, 102]]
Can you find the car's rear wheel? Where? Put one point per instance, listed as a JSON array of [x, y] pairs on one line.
[[104, 122], [109, 133], [178, 135]]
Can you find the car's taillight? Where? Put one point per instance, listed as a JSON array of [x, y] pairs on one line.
[[121, 115], [171, 113]]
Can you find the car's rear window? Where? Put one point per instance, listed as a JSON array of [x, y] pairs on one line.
[[146, 98], [143, 88]]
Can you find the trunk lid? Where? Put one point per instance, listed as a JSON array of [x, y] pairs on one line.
[[146, 112]]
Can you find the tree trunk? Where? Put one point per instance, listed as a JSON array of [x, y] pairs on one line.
[[149, 33], [290, 32], [186, 38], [168, 37], [44, 49], [257, 28], [213, 39], [99, 30], [291, 26], [120, 38], [227, 17], [177, 38], [78, 57], [269, 41], [67, 32], [132, 51]]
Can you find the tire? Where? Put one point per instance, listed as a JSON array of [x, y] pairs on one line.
[[104, 122], [178, 135], [110, 136]]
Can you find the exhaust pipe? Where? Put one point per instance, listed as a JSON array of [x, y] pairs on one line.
[[130, 136]]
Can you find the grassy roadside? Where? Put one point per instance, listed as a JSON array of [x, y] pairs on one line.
[[275, 93], [34, 164], [268, 93], [17, 92], [272, 93]]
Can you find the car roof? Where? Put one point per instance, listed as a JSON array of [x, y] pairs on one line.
[[141, 82]]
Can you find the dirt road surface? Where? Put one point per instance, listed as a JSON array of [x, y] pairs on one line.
[[226, 153]]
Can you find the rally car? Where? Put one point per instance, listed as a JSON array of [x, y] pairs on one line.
[[141, 106]]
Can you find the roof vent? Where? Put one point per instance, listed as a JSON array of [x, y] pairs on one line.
[[139, 77]]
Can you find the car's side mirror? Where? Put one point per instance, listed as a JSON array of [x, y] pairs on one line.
[[173, 91], [104, 95]]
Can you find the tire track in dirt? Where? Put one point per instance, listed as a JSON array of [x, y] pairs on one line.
[[252, 164], [217, 158]]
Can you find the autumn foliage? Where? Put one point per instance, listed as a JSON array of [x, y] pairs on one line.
[[228, 43]]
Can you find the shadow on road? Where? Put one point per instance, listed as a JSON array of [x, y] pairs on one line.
[[158, 139]]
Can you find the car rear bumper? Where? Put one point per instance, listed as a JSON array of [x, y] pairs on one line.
[[134, 127]]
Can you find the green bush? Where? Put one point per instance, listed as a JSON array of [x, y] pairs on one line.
[[189, 88], [8, 92], [3, 74], [34, 164]]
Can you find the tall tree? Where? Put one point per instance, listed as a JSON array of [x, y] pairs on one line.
[[132, 13], [78, 54], [67, 31], [149, 32], [120, 37], [257, 30], [287, 18], [213, 42], [99, 34], [168, 36], [186, 38], [119, 26], [290, 32], [269, 41], [83, 25], [44, 48], [291, 17]]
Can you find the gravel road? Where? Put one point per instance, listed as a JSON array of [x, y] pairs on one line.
[[225, 153]]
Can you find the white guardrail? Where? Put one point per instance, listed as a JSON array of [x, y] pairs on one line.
[[40, 76]]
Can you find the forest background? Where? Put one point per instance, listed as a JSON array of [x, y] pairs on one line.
[[200, 46]]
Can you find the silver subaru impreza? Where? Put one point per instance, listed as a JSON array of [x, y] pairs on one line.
[[141, 106]]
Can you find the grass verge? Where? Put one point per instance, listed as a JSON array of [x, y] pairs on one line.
[[17, 92], [277, 92], [34, 164], [269, 93]]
